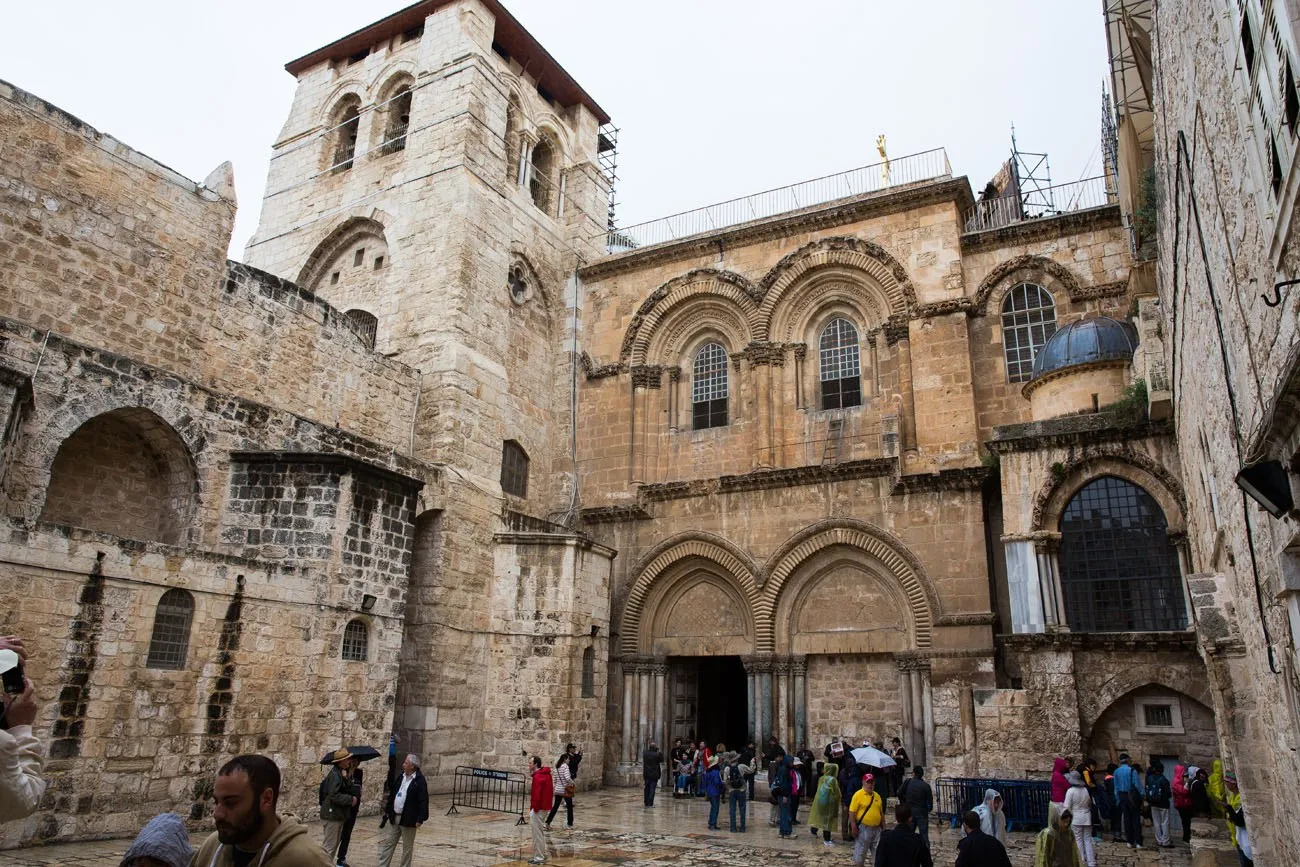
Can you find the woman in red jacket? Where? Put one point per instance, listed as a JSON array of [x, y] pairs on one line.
[[542, 795]]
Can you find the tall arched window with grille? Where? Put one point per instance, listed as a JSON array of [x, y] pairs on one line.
[[1119, 571], [588, 673], [709, 387], [170, 642], [345, 127], [397, 119], [1028, 319], [356, 641], [366, 324], [840, 365], [514, 469]]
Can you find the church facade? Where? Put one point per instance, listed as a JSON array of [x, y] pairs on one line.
[[446, 457]]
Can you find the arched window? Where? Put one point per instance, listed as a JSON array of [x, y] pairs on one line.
[[541, 175], [517, 283], [356, 640], [588, 673], [367, 324], [398, 115], [171, 630], [345, 127], [709, 387], [513, 113], [840, 365], [514, 469], [1028, 319], [1119, 571]]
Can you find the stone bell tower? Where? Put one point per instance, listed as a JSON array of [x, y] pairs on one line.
[[437, 181]]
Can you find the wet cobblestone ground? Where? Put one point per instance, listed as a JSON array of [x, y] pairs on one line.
[[612, 827]]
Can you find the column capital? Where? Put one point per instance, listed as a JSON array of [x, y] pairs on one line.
[[646, 375], [798, 665], [896, 329], [764, 352], [757, 663], [911, 662]]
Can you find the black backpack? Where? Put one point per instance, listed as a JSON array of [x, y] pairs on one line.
[[322, 789], [734, 777]]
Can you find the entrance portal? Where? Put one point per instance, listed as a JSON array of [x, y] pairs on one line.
[[708, 700]]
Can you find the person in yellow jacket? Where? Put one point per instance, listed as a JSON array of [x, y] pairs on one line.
[[1218, 792], [867, 811], [1055, 846]]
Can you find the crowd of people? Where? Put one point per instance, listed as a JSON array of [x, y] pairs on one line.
[[840, 788]]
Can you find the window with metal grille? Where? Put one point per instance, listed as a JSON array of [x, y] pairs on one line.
[[171, 630], [588, 673], [1028, 319], [399, 120], [356, 638], [1119, 571], [514, 469], [367, 324], [709, 387], [347, 125], [840, 365], [1158, 715]]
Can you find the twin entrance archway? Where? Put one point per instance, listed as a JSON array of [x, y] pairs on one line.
[[827, 638]]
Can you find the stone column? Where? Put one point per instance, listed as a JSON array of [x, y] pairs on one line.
[[658, 671], [1049, 574], [644, 721], [762, 372], [645, 379], [760, 667], [674, 398], [751, 701], [784, 721], [629, 688], [800, 353], [799, 677], [927, 717], [897, 333]]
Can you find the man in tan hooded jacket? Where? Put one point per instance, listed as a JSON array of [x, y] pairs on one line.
[[249, 833]]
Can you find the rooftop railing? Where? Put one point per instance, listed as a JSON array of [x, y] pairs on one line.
[[924, 166], [1045, 202]]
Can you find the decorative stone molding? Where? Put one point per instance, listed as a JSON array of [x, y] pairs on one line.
[[958, 479], [615, 514], [1099, 290], [1103, 641], [592, 371], [896, 328], [943, 308], [699, 281], [974, 618], [762, 352], [1116, 460], [674, 374], [800, 350], [912, 662], [1082, 430], [646, 375], [1027, 268]]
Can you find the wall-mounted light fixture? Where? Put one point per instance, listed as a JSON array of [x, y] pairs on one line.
[[368, 603], [1268, 484]]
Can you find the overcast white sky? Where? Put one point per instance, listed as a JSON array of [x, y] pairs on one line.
[[715, 98]]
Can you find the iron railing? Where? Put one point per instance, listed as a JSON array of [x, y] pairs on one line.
[[1024, 802], [1045, 202], [488, 789], [924, 166]]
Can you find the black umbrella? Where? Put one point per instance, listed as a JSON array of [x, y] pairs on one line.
[[360, 752]]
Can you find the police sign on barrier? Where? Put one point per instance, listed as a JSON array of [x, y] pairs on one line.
[[488, 789]]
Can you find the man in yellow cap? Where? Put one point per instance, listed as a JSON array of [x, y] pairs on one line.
[[337, 799]]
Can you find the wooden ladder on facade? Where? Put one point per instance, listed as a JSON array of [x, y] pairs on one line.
[[834, 433]]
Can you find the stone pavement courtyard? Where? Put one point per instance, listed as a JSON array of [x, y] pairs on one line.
[[612, 827]]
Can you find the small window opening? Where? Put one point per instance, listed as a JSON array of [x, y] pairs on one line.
[[541, 176], [379, 262], [413, 34], [359, 56], [334, 278], [1158, 715], [171, 630], [514, 469], [545, 94], [501, 52], [349, 126], [1291, 100], [1275, 167], [367, 324], [356, 637], [399, 121], [589, 673], [1248, 45], [358, 257], [518, 284]]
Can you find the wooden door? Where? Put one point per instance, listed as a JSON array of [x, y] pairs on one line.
[[684, 701]]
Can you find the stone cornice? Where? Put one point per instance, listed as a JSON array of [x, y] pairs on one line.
[[958, 479], [615, 514], [974, 618], [592, 371], [1100, 290], [349, 462], [1106, 641], [819, 217], [647, 376], [1074, 430], [574, 539], [1043, 228]]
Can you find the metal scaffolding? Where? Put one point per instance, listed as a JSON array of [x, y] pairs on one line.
[[607, 155]]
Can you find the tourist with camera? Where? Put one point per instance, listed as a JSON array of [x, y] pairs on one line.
[[21, 784]]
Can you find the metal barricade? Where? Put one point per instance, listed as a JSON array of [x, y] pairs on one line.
[[1024, 802], [486, 789]]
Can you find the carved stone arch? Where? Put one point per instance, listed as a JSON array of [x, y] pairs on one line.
[[547, 124], [1185, 678], [724, 286], [1134, 467], [853, 255], [348, 88], [679, 328], [1057, 279], [390, 78], [345, 232], [833, 286], [519, 258], [878, 544], [729, 560]]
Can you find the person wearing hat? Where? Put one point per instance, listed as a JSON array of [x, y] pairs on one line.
[[713, 789], [163, 842], [1078, 805], [868, 811], [337, 798]]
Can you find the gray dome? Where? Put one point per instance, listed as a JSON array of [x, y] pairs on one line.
[[1097, 339]]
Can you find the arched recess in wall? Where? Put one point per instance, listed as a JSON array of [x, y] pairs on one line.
[[125, 472], [662, 316], [393, 117], [832, 552], [1154, 721], [861, 272], [336, 257], [1187, 678], [1135, 467], [342, 137], [708, 567]]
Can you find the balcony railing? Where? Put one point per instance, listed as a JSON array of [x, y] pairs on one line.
[[925, 166], [1046, 202]]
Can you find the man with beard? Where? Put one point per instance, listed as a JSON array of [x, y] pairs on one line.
[[249, 833]]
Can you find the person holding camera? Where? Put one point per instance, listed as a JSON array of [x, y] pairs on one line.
[[21, 784]]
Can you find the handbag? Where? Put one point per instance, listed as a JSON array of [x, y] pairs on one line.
[[568, 790]]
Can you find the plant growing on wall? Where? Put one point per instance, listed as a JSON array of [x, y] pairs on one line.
[[1144, 215]]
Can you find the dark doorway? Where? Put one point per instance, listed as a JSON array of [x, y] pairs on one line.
[[708, 700]]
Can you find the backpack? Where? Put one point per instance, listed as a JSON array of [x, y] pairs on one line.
[[824, 792], [734, 778], [1155, 790], [322, 789]]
